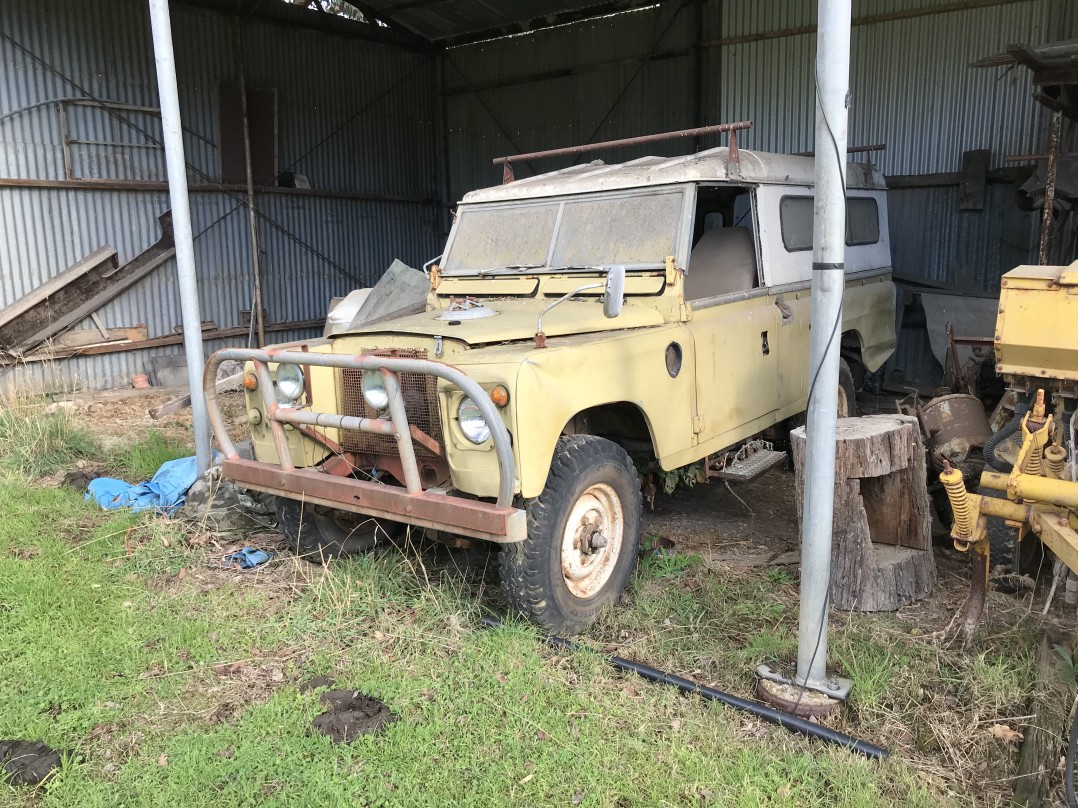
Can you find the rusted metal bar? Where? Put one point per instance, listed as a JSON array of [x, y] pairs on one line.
[[137, 185], [393, 365], [65, 141], [473, 518], [403, 434], [851, 150], [1047, 214], [252, 214], [628, 141], [978, 588], [1023, 158]]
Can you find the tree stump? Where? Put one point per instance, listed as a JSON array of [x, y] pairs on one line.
[[881, 552]]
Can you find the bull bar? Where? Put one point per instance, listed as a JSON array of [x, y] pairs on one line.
[[497, 522]]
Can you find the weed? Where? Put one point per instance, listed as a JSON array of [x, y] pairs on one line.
[[35, 441]]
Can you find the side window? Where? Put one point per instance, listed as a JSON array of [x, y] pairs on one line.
[[862, 221], [795, 218]]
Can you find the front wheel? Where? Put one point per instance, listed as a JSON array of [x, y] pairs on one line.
[[583, 537]]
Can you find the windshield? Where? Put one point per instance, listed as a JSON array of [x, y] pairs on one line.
[[638, 230]]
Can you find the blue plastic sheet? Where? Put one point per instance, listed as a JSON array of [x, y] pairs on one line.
[[165, 492]]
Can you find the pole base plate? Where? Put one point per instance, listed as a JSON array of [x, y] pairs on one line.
[[797, 701]]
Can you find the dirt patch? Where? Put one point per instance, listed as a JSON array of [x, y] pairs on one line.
[[351, 714]]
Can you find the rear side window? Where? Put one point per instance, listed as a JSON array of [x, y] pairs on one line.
[[795, 218], [862, 221]]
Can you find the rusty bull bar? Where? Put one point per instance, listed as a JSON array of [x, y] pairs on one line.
[[499, 522]]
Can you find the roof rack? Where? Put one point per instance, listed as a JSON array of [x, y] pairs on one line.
[[733, 128]]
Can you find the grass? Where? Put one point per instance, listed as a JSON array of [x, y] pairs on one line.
[[139, 460], [36, 441], [174, 682]]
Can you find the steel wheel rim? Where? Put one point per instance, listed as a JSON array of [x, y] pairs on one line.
[[843, 403], [596, 515]]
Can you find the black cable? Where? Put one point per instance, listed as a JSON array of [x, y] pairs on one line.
[[770, 714]]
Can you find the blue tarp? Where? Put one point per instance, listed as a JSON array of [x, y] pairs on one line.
[[165, 492]]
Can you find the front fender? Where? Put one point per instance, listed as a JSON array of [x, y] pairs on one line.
[[577, 373]]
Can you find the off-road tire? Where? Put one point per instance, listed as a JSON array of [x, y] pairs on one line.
[[318, 538], [847, 387], [532, 572]]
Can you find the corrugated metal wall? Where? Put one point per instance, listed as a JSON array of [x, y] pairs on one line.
[[912, 88], [360, 119], [353, 117]]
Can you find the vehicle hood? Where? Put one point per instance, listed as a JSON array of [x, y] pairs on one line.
[[515, 321]]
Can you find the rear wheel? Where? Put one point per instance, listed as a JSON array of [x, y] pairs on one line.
[[583, 537], [319, 534], [847, 392]]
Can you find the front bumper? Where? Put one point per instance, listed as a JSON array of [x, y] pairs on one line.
[[498, 522]]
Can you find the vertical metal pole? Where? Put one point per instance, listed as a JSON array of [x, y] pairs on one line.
[[828, 282], [165, 58], [252, 214], [1054, 136]]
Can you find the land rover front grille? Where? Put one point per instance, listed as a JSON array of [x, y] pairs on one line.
[[420, 393]]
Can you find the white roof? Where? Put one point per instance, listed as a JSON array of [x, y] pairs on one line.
[[706, 166]]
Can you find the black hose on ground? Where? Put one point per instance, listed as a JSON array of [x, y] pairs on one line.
[[994, 440], [785, 720]]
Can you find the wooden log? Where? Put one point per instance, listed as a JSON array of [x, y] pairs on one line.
[[881, 552], [1045, 732], [184, 401]]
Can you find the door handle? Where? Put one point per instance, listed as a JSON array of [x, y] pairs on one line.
[[785, 310]]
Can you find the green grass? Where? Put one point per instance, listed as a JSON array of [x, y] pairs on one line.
[[173, 682], [36, 442], [140, 460], [106, 651]]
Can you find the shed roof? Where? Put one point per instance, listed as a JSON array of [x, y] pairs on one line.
[[765, 168], [455, 22]]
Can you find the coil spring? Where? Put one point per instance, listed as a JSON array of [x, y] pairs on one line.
[[1055, 458], [960, 507], [1033, 463]]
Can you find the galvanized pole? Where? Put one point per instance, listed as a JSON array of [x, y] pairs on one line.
[[176, 164], [828, 282]]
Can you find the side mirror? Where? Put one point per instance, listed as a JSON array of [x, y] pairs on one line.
[[614, 291]]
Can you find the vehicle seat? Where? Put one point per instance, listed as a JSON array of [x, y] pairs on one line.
[[723, 261]]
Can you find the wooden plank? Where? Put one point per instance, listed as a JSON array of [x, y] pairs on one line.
[[118, 281], [53, 285], [184, 401], [160, 342], [84, 337], [1045, 732]]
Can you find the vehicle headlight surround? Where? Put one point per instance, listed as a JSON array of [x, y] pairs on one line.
[[290, 381], [471, 422], [374, 390]]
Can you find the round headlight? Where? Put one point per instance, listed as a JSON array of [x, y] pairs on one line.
[[471, 422], [374, 390], [290, 381]]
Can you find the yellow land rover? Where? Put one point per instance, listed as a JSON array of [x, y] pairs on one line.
[[658, 305]]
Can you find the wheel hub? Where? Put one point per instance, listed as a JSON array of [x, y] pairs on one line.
[[591, 542]]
